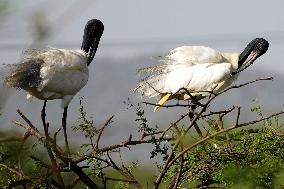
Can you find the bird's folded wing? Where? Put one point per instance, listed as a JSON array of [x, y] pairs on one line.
[[193, 55]]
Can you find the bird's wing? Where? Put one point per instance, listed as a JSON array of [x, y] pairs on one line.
[[199, 77], [25, 75], [145, 73], [191, 55], [184, 55], [30, 54], [63, 71]]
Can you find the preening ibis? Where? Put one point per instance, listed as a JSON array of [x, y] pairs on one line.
[[197, 69], [56, 73]]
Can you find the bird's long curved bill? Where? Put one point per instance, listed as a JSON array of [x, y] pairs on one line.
[[250, 59]]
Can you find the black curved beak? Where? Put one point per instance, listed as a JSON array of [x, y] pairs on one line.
[[249, 61], [254, 49]]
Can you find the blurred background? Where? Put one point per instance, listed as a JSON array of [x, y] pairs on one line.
[[135, 33]]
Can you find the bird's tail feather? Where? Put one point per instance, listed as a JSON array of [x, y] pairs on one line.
[[151, 86], [152, 70], [5, 91], [25, 75], [5, 71]]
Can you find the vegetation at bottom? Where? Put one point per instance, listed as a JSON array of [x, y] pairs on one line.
[[242, 159]]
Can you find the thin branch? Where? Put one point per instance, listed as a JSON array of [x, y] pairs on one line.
[[238, 116], [244, 84], [163, 171], [26, 119], [168, 106], [144, 135], [178, 177], [15, 171], [128, 142], [218, 112], [174, 124], [131, 142], [108, 122], [192, 98], [121, 180], [32, 130], [43, 164]]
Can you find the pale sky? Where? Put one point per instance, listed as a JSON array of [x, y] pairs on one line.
[[159, 24]]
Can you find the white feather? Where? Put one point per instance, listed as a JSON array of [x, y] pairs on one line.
[[63, 73], [194, 54], [195, 68], [199, 77]]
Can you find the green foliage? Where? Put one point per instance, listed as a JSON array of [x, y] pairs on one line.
[[160, 148], [86, 127], [16, 162], [254, 160]]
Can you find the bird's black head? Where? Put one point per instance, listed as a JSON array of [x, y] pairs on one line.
[[92, 35], [254, 49]]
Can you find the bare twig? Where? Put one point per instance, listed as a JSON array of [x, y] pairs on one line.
[[128, 142], [192, 98], [15, 171], [238, 116], [109, 121], [168, 106], [244, 84], [32, 130], [174, 124], [219, 112], [178, 177]]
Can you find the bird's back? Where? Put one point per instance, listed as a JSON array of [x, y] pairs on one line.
[[193, 54], [51, 73]]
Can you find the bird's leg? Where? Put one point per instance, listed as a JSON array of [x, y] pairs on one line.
[[43, 114], [64, 129], [191, 116]]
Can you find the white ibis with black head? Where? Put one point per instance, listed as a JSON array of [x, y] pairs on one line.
[[197, 69], [57, 73]]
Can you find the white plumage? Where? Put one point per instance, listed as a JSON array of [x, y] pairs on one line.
[[198, 69], [63, 73]]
